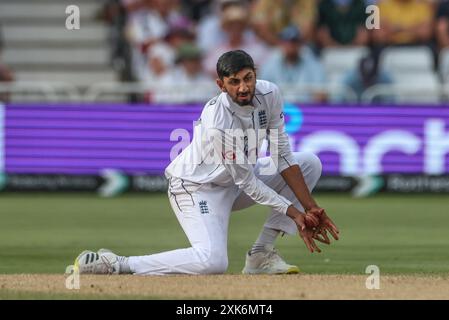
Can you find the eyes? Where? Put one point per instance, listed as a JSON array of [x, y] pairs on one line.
[[235, 82], [249, 77]]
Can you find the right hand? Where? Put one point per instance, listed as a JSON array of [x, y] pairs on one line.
[[325, 224], [305, 232]]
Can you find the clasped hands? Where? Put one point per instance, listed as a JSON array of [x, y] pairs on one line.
[[313, 225]]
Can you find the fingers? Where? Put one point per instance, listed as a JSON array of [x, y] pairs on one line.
[[321, 236], [301, 225], [307, 237], [324, 234], [316, 211], [306, 240], [315, 247], [311, 220], [330, 226], [317, 237], [333, 232]]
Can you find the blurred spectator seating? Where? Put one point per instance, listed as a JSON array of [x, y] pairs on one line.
[[162, 54], [40, 50], [196, 9], [366, 75], [6, 74], [210, 32], [443, 68], [295, 64], [149, 26], [424, 88], [186, 82], [404, 22], [337, 61], [412, 70], [234, 23], [341, 23], [407, 60], [270, 17], [442, 25]]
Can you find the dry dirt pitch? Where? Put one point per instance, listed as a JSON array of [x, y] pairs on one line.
[[282, 287]]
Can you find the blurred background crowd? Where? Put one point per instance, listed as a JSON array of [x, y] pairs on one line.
[[317, 51]]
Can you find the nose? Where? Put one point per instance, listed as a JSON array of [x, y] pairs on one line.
[[243, 87]]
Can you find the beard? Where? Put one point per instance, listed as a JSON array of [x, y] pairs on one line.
[[244, 100]]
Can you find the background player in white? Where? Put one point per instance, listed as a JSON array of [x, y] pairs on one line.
[[214, 176]]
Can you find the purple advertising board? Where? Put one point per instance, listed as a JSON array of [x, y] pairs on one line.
[[137, 139]]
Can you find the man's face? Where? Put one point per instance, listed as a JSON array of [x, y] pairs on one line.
[[192, 66], [240, 86], [291, 49]]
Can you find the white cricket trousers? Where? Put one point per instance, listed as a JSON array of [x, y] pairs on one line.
[[203, 212]]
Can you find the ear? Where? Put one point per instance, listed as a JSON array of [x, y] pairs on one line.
[[220, 84]]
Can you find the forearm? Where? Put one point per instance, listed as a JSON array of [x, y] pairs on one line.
[[295, 180], [242, 172], [264, 195]]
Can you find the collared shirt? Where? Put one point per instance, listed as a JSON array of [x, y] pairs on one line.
[[213, 136]]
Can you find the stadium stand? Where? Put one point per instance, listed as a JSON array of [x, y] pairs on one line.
[[96, 62], [337, 61], [39, 48]]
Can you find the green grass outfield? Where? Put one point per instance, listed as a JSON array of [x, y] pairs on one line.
[[402, 234]]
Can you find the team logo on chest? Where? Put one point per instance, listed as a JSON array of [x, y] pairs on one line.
[[203, 207], [262, 118]]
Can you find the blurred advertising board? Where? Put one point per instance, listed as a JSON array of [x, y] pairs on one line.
[[407, 147]]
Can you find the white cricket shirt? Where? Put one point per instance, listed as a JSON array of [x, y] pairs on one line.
[[227, 135]]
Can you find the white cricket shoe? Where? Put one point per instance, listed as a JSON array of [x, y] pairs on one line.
[[101, 262], [267, 262]]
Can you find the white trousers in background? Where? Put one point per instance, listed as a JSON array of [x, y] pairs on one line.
[[203, 212]]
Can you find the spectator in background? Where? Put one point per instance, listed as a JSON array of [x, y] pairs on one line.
[[234, 23], [186, 81], [133, 6], [196, 9], [165, 50], [115, 13], [442, 25], [366, 75], [294, 63], [210, 30], [160, 59], [189, 68], [180, 33], [162, 55], [6, 74], [341, 23], [404, 22], [270, 17], [150, 26]]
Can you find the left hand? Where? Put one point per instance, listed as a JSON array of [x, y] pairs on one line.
[[325, 225]]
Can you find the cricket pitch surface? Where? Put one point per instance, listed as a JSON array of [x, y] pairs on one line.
[[254, 287]]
